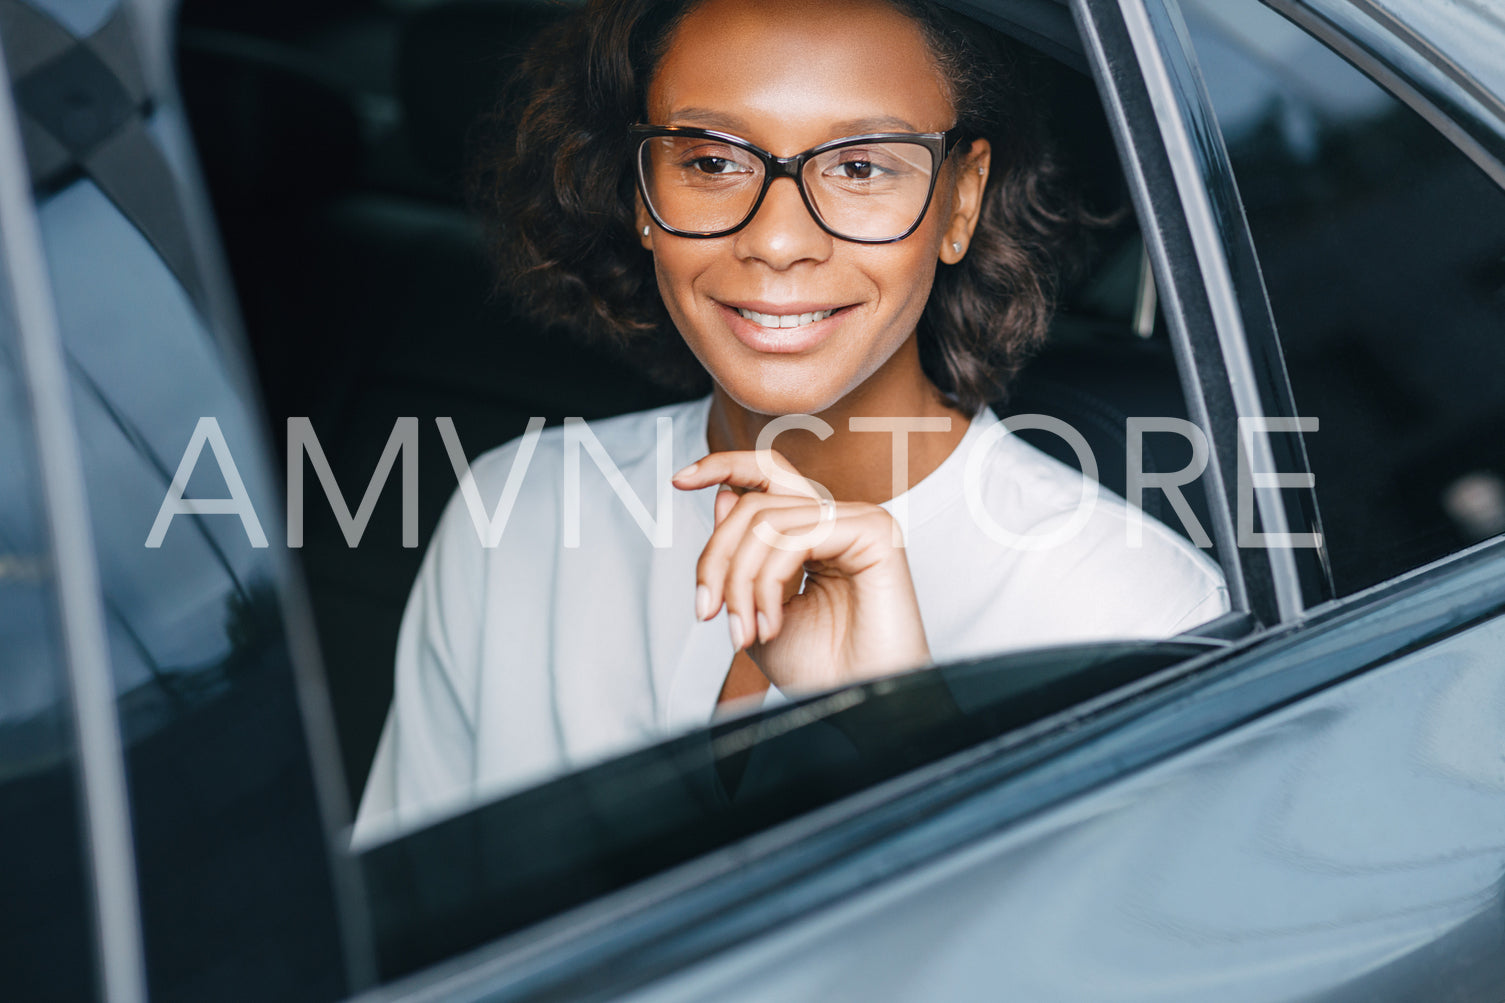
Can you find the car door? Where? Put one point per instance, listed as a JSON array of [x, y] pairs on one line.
[[1181, 822], [1319, 816]]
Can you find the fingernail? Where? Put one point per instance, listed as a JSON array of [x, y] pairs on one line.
[[686, 472], [734, 625], [765, 629], [702, 603]]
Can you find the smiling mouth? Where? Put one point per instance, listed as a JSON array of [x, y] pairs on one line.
[[784, 320]]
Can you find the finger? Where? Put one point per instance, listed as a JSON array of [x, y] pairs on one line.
[[860, 537], [760, 569], [710, 570], [726, 500], [754, 470], [775, 584]]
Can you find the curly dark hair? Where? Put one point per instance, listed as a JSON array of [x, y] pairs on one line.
[[556, 185]]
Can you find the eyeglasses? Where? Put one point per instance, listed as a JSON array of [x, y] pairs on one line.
[[872, 189]]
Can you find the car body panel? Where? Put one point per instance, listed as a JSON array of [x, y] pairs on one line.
[[771, 886], [1348, 846]]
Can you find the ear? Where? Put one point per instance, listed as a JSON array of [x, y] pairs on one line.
[[966, 200], [643, 222]]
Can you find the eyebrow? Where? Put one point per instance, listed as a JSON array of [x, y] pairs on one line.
[[707, 118]]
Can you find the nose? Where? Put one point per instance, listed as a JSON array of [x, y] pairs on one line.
[[782, 233]]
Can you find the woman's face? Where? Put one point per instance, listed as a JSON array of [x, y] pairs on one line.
[[787, 75]]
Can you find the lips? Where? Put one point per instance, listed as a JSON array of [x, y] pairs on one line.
[[782, 328]]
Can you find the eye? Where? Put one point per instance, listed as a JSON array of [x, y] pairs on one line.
[[716, 165], [870, 164], [713, 160]]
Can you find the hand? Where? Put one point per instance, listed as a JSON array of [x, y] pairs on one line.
[[857, 616]]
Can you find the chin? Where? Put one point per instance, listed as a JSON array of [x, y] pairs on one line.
[[775, 398]]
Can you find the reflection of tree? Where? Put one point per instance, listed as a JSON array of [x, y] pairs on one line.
[[254, 630], [253, 626], [252, 618], [169, 682]]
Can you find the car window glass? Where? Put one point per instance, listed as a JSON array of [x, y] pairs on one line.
[[221, 792], [46, 948], [197, 647], [507, 865], [1383, 252]]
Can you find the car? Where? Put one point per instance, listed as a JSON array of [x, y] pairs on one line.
[[233, 247]]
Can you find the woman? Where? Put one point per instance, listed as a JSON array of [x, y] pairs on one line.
[[816, 198]]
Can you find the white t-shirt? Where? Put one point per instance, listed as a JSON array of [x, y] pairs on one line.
[[555, 649]]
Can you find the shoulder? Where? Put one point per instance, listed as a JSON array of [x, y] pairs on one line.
[[1127, 571]]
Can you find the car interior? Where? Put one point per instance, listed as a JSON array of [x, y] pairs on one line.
[[333, 136]]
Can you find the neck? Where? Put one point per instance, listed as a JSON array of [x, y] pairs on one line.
[[855, 465]]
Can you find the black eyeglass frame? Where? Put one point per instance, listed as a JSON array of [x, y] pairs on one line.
[[940, 145]]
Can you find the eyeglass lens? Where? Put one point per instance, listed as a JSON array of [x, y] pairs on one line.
[[871, 191]]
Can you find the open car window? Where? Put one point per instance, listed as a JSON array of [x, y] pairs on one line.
[[388, 360]]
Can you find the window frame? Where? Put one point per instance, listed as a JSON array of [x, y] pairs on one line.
[[1405, 64], [1221, 325], [1209, 257], [1224, 336], [1399, 60], [104, 802]]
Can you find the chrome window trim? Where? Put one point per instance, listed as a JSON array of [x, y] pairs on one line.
[[1200, 365], [101, 768], [1217, 277], [1411, 69], [1236, 307], [1172, 112]]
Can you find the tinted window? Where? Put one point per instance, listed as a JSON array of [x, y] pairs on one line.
[[232, 862], [215, 759], [512, 863], [1383, 250]]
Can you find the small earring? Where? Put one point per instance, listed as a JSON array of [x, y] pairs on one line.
[[981, 171], [956, 247], [645, 231]]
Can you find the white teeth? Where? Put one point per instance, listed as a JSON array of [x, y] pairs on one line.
[[784, 320]]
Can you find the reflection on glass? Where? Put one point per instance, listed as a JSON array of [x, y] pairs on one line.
[[1383, 250], [506, 865], [222, 801]]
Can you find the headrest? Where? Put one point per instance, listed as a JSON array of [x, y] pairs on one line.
[[453, 59], [272, 129]]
